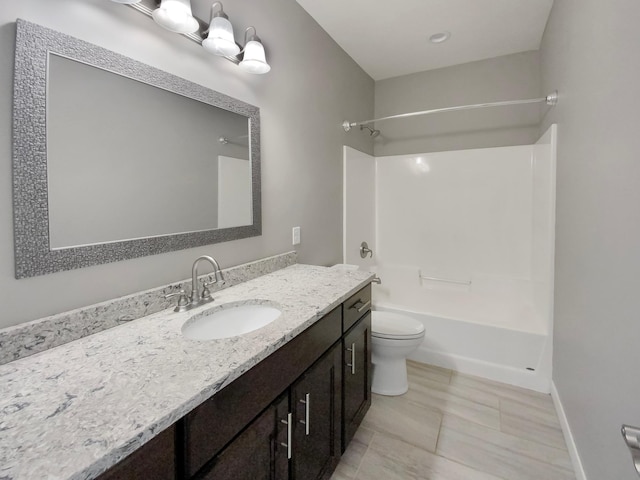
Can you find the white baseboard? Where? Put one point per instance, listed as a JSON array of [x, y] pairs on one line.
[[568, 436]]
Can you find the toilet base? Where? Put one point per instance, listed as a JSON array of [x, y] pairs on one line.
[[393, 338], [389, 377]]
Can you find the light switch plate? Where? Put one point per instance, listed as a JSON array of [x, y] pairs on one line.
[[296, 235]]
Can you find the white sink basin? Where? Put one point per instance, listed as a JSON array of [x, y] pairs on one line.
[[230, 321]]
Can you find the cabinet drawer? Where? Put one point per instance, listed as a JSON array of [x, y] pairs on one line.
[[209, 427], [356, 307]]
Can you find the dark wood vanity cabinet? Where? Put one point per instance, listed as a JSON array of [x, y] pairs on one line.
[[213, 425], [297, 437], [288, 418]]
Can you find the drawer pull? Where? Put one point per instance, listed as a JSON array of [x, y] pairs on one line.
[[287, 422], [307, 410], [359, 306], [353, 358]]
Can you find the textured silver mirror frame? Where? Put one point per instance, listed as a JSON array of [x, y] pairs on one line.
[[33, 255]]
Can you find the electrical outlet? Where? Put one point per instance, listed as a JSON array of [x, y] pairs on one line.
[[296, 235]]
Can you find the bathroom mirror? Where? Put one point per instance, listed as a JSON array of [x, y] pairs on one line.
[[114, 159]]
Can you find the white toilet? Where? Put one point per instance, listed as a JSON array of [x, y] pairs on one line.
[[393, 338]]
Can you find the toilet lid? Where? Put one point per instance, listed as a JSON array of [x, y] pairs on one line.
[[395, 325]]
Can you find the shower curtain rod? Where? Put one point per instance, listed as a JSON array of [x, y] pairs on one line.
[[551, 99]]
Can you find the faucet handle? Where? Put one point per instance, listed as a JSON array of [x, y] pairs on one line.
[[206, 293], [183, 300]]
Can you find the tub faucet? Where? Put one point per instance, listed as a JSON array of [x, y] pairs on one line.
[[198, 297], [377, 280]]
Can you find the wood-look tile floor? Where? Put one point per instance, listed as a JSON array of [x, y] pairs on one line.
[[451, 426]]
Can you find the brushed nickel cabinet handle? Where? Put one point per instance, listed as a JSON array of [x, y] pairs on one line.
[[359, 306], [353, 358], [307, 410], [287, 422]]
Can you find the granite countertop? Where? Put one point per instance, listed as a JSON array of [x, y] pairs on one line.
[[73, 411]]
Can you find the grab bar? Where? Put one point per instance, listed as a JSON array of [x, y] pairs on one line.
[[446, 280]]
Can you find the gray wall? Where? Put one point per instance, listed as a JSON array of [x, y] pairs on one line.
[[590, 54], [511, 77], [312, 87]]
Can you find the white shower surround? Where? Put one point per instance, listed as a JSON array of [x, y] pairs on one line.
[[484, 216]]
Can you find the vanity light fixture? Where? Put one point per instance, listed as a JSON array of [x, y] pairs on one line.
[[216, 37], [220, 39], [176, 16], [253, 60]]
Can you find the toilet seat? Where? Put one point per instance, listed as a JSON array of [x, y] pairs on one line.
[[394, 326]]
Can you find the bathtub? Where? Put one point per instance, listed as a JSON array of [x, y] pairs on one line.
[[487, 327]]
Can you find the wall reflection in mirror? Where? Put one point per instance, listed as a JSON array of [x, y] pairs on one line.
[[169, 165]]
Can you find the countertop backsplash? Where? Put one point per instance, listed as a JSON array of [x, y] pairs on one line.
[[25, 339]]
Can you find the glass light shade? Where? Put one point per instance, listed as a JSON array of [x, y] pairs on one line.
[[254, 60], [175, 15], [220, 40]]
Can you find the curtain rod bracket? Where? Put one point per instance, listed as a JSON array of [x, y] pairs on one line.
[[552, 98], [347, 125]]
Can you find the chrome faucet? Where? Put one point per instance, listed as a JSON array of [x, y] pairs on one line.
[[198, 297]]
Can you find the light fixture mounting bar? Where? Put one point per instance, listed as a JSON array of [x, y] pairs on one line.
[[147, 7]]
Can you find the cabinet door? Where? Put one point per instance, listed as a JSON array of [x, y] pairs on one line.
[[258, 452], [316, 407], [356, 377]]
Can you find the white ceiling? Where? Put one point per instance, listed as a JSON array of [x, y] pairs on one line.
[[391, 38]]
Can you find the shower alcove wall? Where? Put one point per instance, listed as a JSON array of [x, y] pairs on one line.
[[463, 241]]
